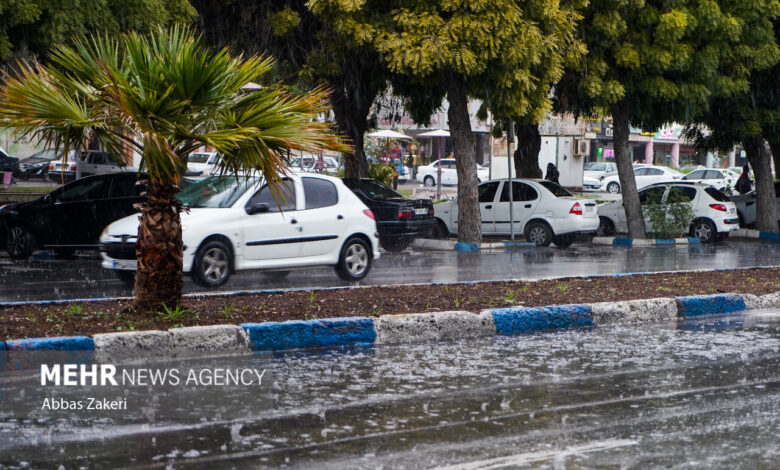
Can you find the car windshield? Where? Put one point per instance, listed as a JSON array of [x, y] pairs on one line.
[[594, 166], [717, 194], [556, 189], [376, 190], [216, 192]]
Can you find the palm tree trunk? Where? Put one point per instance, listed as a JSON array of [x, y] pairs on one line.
[[469, 220], [621, 119], [159, 249], [529, 143]]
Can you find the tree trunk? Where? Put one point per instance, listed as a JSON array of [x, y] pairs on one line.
[[621, 120], [766, 216], [529, 143], [469, 220], [352, 125], [159, 252], [775, 147]]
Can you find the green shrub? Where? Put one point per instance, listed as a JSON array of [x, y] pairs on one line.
[[669, 219]]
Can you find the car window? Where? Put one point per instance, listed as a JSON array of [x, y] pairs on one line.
[[595, 166], [372, 188], [100, 158], [215, 192], [654, 171], [640, 171], [694, 175], [282, 200], [651, 195], [449, 164], [319, 193], [125, 187], [199, 157], [717, 195], [84, 190], [487, 191], [777, 188], [713, 175], [520, 192], [555, 189], [681, 194]]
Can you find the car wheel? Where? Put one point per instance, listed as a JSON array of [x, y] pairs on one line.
[[19, 242], [127, 277], [563, 241], [440, 231], [395, 245], [429, 181], [613, 188], [212, 264], [355, 260], [704, 230], [538, 233], [606, 227]]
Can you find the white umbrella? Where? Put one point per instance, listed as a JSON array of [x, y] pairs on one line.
[[435, 133], [388, 134]]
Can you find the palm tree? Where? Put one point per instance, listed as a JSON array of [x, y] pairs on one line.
[[163, 95]]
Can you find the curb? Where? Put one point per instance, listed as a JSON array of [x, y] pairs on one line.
[[755, 234], [642, 242], [450, 245], [386, 329]]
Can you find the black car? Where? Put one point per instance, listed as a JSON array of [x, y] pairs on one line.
[[398, 219], [8, 163], [70, 217], [37, 164]]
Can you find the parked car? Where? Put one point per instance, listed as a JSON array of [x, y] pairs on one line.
[[746, 206], [427, 174], [589, 183], [312, 163], [714, 214], [398, 219], [721, 179], [543, 211], [644, 175], [599, 169], [70, 217], [202, 163], [8, 163], [239, 224], [37, 164], [92, 162]]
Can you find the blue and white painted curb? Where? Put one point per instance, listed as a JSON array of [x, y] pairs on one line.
[[452, 245], [755, 234], [642, 242], [386, 329]]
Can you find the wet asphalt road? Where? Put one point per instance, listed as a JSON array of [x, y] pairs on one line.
[[48, 279], [693, 394]]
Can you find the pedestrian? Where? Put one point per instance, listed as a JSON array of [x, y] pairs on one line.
[[743, 183], [552, 173]]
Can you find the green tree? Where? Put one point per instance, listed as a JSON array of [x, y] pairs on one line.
[[163, 95], [310, 52], [32, 27], [471, 48], [652, 62]]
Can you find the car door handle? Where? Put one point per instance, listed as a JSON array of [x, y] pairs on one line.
[[528, 206], [489, 206], [294, 221], [340, 217]]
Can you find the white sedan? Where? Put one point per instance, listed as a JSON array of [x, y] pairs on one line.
[[644, 175], [542, 210], [240, 224], [746, 206], [428, 174], [715, 215], [721, 179]]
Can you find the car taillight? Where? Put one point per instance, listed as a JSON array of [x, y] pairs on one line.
[[430, 211], [576, 209], [719, 207], [51, 166], [405, 213], [369, 213], [73, 168]]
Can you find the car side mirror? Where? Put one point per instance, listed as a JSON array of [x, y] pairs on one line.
[[47, 198], [258, 208]]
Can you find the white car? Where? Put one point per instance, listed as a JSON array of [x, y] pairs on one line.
[[715, 215], [543, 211], [309, 163], [91, 163], [721, 179], [202, 162], [428, 174], [644, 175], [238, 225], [599, 169], [746, 206]]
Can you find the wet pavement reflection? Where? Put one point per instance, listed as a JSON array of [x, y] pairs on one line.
[[689, 394], [47, 279]]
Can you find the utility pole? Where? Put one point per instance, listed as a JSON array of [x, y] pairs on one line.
[[509, 139]]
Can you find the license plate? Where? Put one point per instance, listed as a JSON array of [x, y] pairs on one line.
[[124, 264], [421, 211]]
